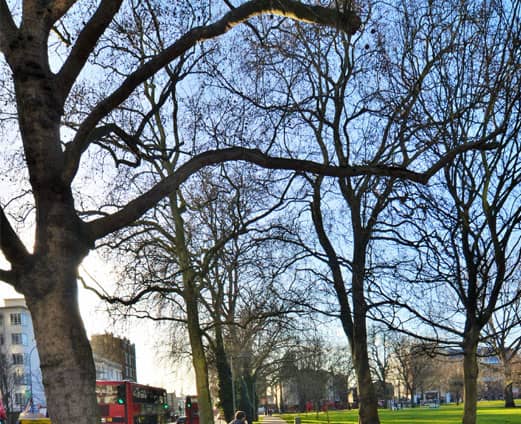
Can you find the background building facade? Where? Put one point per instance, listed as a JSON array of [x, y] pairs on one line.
[[20, 375], [118, 350]]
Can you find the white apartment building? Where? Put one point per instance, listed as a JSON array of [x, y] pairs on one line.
[[20, 373], [19, 360]]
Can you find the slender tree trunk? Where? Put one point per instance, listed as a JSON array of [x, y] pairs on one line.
[[199, 362], [470, 372], [281, 405], [353, 323], [190, 294]]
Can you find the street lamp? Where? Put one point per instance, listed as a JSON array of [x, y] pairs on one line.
[[233, 384], [31, 376]]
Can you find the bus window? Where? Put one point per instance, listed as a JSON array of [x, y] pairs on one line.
[[131, 403]]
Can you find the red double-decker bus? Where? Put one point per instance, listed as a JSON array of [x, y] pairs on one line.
[[131, 403], [192, 410]]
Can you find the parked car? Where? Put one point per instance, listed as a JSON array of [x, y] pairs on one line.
[[181, 420]]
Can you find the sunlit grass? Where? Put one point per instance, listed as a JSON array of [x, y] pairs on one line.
[[490, 412]]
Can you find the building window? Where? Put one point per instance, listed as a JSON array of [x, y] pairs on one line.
[[16, 319], [18, 359], [19, 399], [2, 341], [19, 339], [19, 377], [1, 320]]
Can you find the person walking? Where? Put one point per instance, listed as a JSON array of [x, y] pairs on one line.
[[240, 418]]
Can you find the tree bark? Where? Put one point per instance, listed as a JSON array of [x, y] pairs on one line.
[[507, 390], [199, 362], [69, 376], [47, 277], [470, 372], [368, 403], [224, 374], [368, 411]]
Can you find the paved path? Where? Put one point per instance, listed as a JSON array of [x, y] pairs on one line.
[[271, 419]]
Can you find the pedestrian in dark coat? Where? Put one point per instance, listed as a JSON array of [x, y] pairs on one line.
[[240, 418]]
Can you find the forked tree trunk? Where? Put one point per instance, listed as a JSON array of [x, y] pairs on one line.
[[48, 277], [69, 376]]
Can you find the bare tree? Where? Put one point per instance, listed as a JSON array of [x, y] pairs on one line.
[[7, 383], [379, 350], [468, 246], [412, 364], [503, 338]]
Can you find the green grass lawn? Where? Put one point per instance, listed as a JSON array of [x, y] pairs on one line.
[[488, 413]]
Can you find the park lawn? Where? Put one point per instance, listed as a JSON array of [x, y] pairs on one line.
[[488, 413]]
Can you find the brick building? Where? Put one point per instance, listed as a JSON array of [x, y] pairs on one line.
[[118, 350]]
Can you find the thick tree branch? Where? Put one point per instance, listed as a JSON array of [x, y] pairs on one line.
[[8, 276], [8, 28], [486, 143], [137, 207], [333, 262], [10, 244], [133, 210], [131, 142], [346, 21], [60, 8], [47, 12], [85, 44], [131, 299]]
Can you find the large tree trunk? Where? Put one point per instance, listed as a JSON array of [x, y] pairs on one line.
[[368, 412], [48, 277], [224, 374], [507, 390], [470, 372], [509, 395], [66, 358], [69, 376]]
